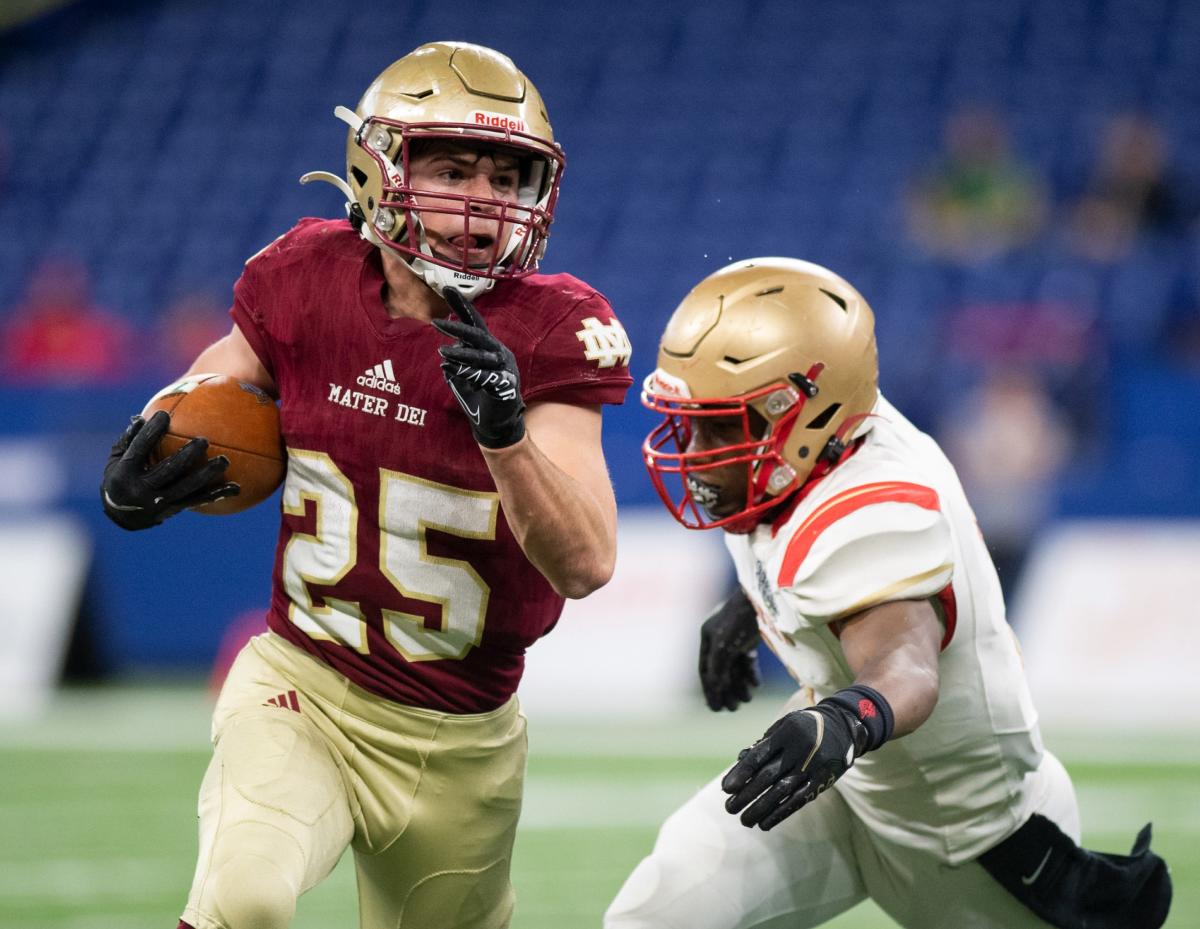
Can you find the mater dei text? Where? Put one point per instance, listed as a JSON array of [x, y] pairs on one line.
[[377, 406]]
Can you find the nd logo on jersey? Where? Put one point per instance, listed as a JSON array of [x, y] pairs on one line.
[[605, 345]]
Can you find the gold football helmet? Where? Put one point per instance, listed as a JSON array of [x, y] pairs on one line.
[[464, 93], [790, 348]]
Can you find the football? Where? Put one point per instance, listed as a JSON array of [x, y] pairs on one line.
[[240, 422]]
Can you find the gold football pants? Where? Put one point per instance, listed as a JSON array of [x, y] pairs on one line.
[[305, 764]]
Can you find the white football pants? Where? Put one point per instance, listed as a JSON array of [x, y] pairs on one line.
[[708, 871]]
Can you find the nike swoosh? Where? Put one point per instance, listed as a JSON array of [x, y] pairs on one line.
[[473, 413], [117, 506], [1034, 876]]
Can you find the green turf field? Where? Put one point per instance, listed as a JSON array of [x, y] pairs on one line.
[[97, 811]]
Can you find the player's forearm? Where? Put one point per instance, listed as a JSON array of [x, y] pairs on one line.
[[911, 689], [894, 648], [233, 355], [562, 529]]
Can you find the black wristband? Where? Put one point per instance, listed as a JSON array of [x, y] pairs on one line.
[[870, 708]]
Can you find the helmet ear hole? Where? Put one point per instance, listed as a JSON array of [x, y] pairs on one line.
[[359, 175], [822, 419]]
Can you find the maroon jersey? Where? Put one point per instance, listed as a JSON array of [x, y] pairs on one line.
[[395, 563]]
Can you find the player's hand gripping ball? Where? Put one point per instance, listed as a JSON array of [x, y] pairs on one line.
[[207, 442], [240, 423]]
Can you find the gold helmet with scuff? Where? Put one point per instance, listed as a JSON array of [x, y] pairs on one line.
[[456, 92], [786, 345]]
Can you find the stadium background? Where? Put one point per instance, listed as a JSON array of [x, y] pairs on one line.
[[157, 144]]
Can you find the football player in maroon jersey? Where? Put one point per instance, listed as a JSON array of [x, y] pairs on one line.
[[446, 489]]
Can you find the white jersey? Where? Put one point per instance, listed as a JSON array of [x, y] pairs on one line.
[[892, 523]]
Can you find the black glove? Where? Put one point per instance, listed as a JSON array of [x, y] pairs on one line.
[[728, 653], [482, 372], [138, 495], [804, 753]]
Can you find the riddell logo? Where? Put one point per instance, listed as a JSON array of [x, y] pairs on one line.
[[380, 377], [498, 121]]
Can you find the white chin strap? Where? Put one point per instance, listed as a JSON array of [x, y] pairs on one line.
[[439, 278]]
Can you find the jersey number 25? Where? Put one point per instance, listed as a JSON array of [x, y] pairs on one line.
[[408, 507]]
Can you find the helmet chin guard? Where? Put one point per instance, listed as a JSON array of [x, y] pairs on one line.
[[439, 278]]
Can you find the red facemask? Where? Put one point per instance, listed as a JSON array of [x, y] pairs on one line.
[[529, 220], [665, 453]]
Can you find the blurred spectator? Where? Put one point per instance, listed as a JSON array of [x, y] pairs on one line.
[[1060, 340], [5, 159], [1009, 444], [1131, 192], [1178, 343], [190, 325], [57, 335], [979, 201]]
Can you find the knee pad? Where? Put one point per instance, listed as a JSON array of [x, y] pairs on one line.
[[629, 910], [469, 899], [250, 892]]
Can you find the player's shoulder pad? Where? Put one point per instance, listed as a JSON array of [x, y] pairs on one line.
[[336, 235], [571, 323], [864, 544], [557, 287], [555, 297]]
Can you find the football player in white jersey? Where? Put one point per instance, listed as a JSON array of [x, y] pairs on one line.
[[909, 767]]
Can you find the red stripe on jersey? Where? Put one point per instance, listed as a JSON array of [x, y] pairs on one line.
[[295, 703], [950, 608], [786, 511], [842, 505]]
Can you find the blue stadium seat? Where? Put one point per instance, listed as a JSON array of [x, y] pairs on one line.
[[694, 132]]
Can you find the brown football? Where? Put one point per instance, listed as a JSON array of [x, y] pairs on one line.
[[239, 421]]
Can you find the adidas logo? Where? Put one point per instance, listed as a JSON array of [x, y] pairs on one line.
[[380, 377], [287, 701]]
